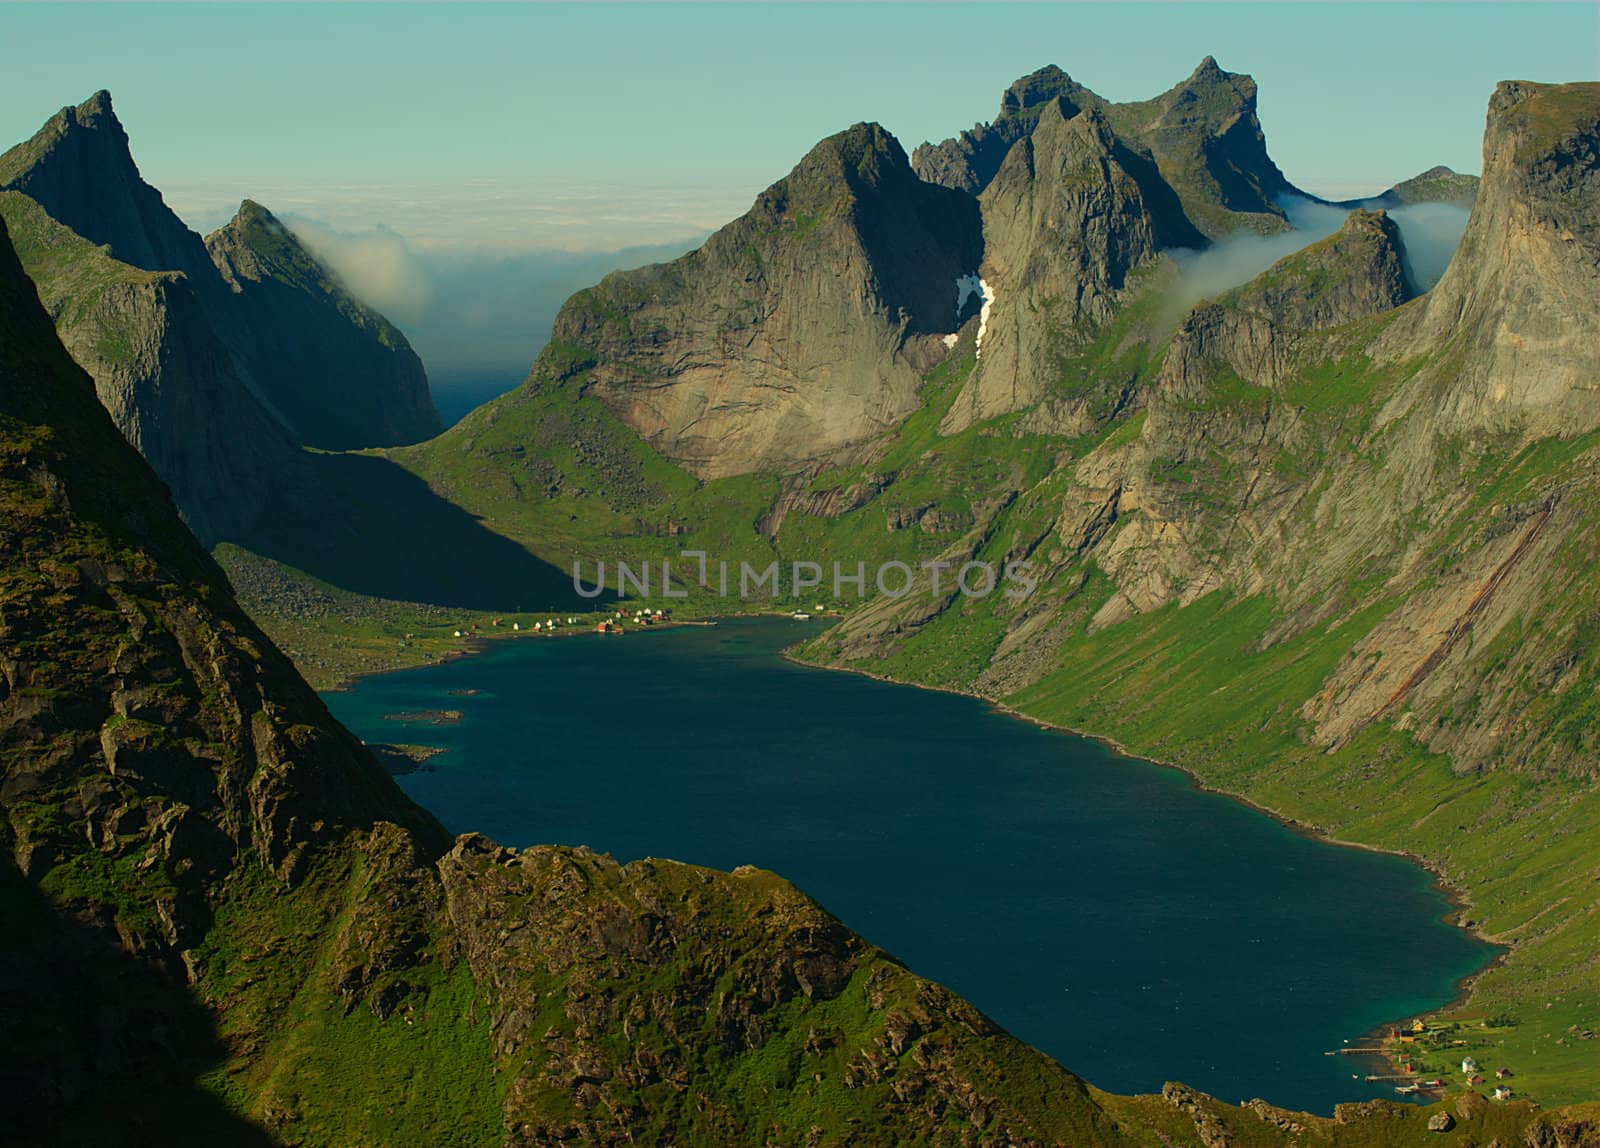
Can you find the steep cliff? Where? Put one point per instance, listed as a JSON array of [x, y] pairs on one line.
[[161, 371], [200, 370], [339, 372], [1203, 135], [798, 332], [1513, 320], [1068, 219]]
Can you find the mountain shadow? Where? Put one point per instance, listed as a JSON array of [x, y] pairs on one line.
[[98, 1046], [367, 525]]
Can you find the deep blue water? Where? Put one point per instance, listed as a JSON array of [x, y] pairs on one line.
[[1101, 908]]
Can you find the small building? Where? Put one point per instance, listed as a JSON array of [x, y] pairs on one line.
[[1502, 1093], [459, 634], [516, 625], [1469, 1066], [1474, 1079], [1501, 1073]]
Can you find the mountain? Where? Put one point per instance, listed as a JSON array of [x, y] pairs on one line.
[[799, 331], [79, 168], [1341, 561], [339, 372], [1069, 221], [199, 369], [1323, 541], [1515, 306], [1202, 134], [158, 752], [228, 925], [160, 369], [799, 336], [1436, 185]]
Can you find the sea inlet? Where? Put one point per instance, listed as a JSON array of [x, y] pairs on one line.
[[1102, 908]]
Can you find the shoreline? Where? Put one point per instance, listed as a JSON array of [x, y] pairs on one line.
[[480, 642], [1457, 898]]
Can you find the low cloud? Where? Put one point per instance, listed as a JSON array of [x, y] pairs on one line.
[[377, 267], [476, 318], [1429, 231]]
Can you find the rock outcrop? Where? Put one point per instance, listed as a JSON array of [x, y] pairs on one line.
[[1069, 217], [800, 331], [1203, 135], [1515, 309]]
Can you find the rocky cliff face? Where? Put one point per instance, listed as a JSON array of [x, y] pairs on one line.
[[1202, 134], [1515, 309], [159, 369], [1069, 217], [200, 371], [798, 332], [340, 373]]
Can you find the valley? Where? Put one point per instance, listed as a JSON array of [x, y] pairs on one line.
[[1322, 537]]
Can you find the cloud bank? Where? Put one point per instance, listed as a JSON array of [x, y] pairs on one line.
[[1430, 233], [476, 318]]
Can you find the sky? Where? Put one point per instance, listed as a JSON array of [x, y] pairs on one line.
[[468, 166], [680, 113]]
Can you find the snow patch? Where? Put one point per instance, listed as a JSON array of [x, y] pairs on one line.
[[950, 340]]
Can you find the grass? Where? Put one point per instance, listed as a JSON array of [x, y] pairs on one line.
[[320, 1069]]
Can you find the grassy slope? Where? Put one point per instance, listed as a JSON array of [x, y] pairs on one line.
[[313, 1065], [1193, 686]]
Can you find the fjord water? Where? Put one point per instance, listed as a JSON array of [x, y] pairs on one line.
[[1102, 908]]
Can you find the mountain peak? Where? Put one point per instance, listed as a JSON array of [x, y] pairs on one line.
[[1439, 184], [250, 209], [95, 107], [1036, 88], [1207, 72], [79, 168]]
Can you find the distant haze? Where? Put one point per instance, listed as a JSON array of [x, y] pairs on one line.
[[478, 318], [475, 270]]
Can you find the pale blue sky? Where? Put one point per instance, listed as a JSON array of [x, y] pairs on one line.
[[221, 99]]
